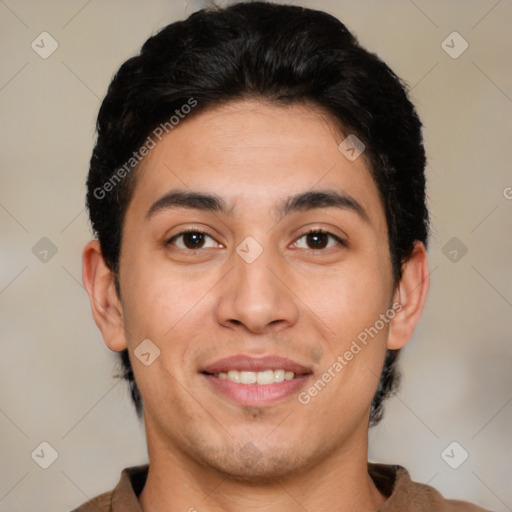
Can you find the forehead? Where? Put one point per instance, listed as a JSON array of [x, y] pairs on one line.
[[252, 154]]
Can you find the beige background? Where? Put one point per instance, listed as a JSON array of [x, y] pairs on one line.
[[56, 380]]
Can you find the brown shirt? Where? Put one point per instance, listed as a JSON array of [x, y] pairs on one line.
[[391, 480]]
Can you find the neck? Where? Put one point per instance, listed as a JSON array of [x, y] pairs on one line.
[[339, 483]]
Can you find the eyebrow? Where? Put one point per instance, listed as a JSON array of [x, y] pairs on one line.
[[195, 200]]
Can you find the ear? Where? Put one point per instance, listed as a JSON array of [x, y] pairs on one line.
[[106, 306], [411, 293]]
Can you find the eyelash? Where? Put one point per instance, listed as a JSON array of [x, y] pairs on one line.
[[340, 241]]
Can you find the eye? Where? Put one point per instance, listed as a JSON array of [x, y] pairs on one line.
[[318, 239], [191, 240]]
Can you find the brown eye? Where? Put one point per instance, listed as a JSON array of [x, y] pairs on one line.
[[190, 240], [318, 240]]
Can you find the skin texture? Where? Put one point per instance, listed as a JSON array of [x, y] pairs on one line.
[[294, 300]]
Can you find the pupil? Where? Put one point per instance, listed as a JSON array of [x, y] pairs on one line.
[[316, 237], [195, 237]]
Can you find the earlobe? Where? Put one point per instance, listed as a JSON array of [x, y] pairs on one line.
[[106, 307], [411, 293]]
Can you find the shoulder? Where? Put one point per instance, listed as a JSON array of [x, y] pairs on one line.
[[101, 503], [423, 496], [123, 498], [406, 495]]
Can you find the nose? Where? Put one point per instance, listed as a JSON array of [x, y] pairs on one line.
[[256, 296]]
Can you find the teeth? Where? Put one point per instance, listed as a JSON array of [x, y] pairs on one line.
[[248, 378], [279, 375], [264, 377], [233, 375]]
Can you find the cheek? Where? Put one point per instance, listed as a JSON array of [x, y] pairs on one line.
[[167, 307], [350, 299], [350, 303], [154, 298]]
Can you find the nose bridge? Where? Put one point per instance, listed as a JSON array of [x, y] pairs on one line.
[[259, 274], [254, 294]]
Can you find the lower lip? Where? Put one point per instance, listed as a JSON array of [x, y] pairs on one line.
[[255, 395]]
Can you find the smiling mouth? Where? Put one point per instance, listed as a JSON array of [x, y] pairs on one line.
[[256, 381], [257, 388], [263, 378]]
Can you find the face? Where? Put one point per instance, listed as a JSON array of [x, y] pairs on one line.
[[254, 281]]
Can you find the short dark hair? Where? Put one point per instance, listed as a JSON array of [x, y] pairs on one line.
[[279, 53]]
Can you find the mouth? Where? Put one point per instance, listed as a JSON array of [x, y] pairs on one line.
[[256, 381]]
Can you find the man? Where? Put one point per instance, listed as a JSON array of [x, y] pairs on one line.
[[258, 194]]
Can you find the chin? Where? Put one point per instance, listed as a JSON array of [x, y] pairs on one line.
[[251, 464]]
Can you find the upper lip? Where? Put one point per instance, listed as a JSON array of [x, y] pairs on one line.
[[255, 364]]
